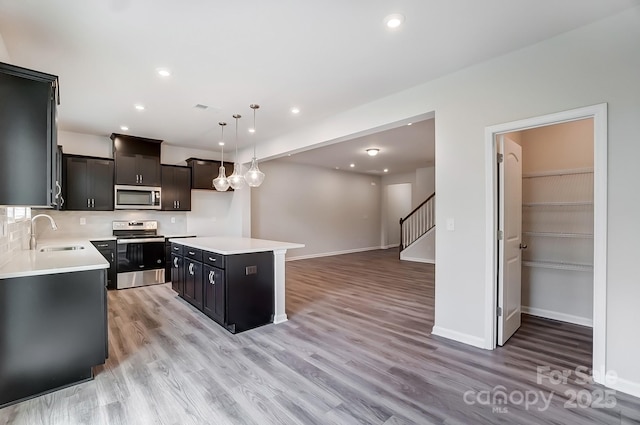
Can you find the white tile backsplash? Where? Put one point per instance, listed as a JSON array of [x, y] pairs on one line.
[[98, 223], [13, 236]]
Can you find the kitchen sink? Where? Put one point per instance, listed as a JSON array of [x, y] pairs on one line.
[[61, 248]]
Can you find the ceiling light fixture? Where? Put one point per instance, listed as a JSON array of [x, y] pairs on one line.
[[409, 123], [237, 180], [124, 128], [373, 151], [295, 110], [139, 107], [394, 20], [163, 72], [254, 176], [221, 183], [386, 170], [352, 165]]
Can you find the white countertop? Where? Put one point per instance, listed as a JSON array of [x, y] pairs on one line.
[[235, 245], [35, 263]]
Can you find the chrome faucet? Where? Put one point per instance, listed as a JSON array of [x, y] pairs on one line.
[[32, 241]]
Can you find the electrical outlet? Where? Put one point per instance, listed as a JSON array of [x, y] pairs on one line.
[[173, 220], [83, 221]]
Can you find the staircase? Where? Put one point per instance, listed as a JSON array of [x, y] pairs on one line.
[[415, 227]]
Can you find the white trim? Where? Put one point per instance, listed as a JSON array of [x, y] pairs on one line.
[[554, 315], [458, 336], [330, 254], [623, 385], [418, 260], [599, 115], [280, 318]]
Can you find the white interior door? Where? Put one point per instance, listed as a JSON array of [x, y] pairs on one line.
[[509, 246]]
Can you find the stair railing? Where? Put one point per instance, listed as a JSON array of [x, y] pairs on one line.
[[418, 222]]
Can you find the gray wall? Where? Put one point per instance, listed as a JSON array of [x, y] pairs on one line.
[[330, 211]]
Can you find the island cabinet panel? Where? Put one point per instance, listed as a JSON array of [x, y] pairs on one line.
[[214, 293], [177, 274], [52, 333], [193, 292]]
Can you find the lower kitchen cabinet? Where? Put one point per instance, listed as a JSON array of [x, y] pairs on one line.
[[214, 293], [237, 291], [52, 333], [108, 250]]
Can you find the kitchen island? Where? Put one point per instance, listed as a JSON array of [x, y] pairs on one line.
[[238, 282], [54, 319]]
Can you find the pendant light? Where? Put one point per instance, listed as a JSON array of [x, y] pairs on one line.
[[236, 180], [221, 183], [254, 176]]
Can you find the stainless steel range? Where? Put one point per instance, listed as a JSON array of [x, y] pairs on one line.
[[141, 253]]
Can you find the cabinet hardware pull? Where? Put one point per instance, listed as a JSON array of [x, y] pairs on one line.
[[191, 268], [88, 203], [59, 190], [211, 280], [178, 204], [175, 262], [112, 257], [93, 202], [141, 177], [192, 253], [212, 259]]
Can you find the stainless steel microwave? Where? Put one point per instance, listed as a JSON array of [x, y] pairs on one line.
[[137, 197]]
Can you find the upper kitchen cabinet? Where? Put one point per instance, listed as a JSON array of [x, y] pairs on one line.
[[28, 131], [176, 188], [88, 183], [203, 171], [137, 160]]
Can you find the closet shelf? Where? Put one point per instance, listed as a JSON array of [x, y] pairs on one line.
[[559, 266], [568, 172], [558, 204], [559, 235]]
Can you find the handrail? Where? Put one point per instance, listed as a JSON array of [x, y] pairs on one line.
[[417, 222], [418, 207]]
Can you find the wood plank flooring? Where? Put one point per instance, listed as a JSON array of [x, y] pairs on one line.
[[357, 349]]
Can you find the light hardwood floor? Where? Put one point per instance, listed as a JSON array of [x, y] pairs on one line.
[[357, 349]]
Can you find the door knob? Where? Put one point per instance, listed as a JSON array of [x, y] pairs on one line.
[[523, 246]]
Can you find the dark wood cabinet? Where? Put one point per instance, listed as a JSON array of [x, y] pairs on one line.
[[193, 282], [28, 134], [203, 171], [52, 333], [108, 250], [176, 188], [87, 183], [137, 160], [214, 293], [177, 274]]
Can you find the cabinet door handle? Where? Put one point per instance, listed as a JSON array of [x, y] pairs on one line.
[[88, 203], [178, 204], [59, 190], [175, 262], [93, 202], [191, 268], [141, 177], [211, 278], [192, 253], [113, 258], [212, 259]]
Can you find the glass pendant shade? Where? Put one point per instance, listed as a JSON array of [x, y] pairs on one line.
[[221, 183], [236, 180], [254, 176]]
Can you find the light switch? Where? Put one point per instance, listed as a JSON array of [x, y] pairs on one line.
[[451, 224], [173, 220]]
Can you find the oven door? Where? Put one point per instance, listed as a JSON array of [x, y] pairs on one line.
[[140, 254]]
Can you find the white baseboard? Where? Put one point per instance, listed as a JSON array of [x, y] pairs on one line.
[[332, 253], [418, 260], [390, 246], [281, 318], [459, 336], [548, 314], [624, 386]]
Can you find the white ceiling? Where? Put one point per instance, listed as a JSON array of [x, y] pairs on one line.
[[323, 56]]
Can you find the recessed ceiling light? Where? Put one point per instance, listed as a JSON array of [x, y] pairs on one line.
[[221, 143], [373, 151], [163, 72], [394, 20], [409, 123], [295, 110], [386, 170], [352, 165], [124, 128], [139, 107], [252, 130], [337, 168]]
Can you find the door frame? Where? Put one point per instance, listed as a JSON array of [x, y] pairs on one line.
[[599, 114]]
